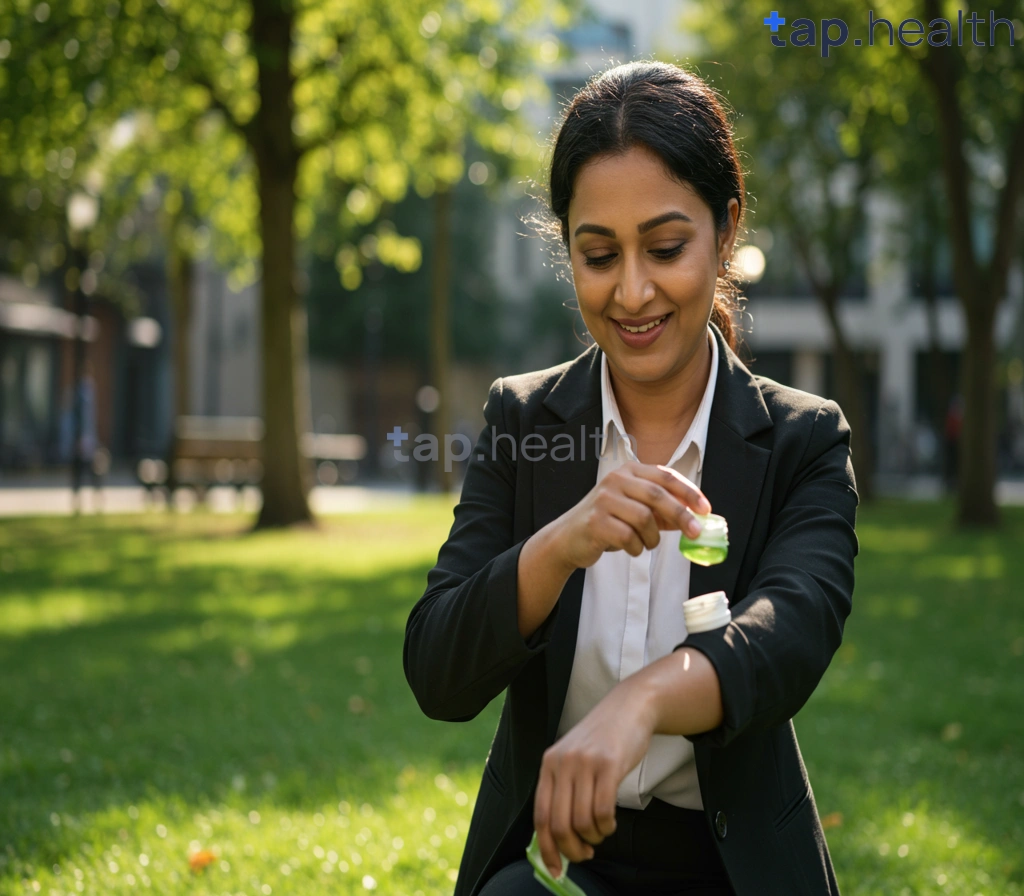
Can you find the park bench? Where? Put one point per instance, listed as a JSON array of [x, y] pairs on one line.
[[227, 451]]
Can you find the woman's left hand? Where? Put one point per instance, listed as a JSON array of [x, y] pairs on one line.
[[580, 775]]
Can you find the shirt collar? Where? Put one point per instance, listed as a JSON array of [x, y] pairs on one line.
[[696, 435]]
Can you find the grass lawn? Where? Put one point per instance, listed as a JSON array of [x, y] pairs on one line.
[[174, 691]]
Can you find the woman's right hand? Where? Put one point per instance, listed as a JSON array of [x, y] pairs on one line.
[[626, 510]]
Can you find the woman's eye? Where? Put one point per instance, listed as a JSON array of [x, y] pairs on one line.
[[663, 254], [671, 252]]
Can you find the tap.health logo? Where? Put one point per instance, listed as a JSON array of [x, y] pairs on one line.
[[910, 32]]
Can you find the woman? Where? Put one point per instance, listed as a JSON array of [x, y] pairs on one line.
[[656, 761]]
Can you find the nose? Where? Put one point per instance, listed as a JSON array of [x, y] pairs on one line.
[[634, 289]]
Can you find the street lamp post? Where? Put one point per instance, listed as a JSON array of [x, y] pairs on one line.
[[83, 210]]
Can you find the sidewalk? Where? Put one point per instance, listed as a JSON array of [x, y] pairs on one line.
[[54, 500], [929, 488], [46, 497]]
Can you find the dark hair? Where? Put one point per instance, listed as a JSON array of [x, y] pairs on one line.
[[671, 112]]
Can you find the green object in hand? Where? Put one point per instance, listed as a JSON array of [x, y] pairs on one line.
[[705, 556], [561, 885], [711, 546]]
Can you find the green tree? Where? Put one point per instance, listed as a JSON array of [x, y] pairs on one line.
[[978, 94], [337, 325], [973, 96], [916, 180], [814, 139], [388, 316], [296, 92]]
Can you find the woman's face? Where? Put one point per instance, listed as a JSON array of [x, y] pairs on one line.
[[643, 248]]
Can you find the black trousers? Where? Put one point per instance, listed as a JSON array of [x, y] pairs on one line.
[[658, 851]]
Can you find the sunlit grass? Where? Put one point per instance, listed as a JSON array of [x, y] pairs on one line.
[[173, 687], [915, 738]]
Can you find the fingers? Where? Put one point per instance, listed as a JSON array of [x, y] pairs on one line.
[[651, 487], [542, 820], [636, 501], [675, 482], [622, 537], [641, 526], [605, 791], [567, 840], [583, 810], [561, 800], [666, 505]]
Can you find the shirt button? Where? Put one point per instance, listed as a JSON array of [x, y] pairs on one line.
[[720, 825]]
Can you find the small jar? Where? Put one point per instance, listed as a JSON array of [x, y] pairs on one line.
[[711, 546]]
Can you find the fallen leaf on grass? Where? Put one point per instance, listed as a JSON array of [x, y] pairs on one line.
[[197, 861], [832, 820]]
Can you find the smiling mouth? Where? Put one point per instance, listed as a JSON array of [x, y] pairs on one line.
[[645, 327]]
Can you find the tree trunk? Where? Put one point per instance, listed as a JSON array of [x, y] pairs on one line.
[[181, 275], [440, 326], [848, 372], [939, 391], [976, 474], [979, 287], [849, 385], [286, 412]]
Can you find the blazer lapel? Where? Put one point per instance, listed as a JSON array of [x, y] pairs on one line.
[[732, 477], [734, 467], [560, 481]]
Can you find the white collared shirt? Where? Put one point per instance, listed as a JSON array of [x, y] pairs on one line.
[[632, 613]]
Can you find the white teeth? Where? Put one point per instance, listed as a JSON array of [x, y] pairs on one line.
[[645, 327]]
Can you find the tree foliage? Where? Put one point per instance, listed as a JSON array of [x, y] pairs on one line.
[[821, 129], [257, 111]]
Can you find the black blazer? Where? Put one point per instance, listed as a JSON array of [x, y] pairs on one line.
[[778, 468]]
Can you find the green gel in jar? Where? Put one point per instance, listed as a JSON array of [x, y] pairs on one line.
[[711, 546]]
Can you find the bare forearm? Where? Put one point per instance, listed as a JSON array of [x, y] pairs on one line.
[[683, 693], [542, 574]]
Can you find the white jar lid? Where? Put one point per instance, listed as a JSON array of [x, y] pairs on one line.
[[706, 612]]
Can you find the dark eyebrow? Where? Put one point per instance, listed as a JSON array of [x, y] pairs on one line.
[[641, 228], [661, 219]]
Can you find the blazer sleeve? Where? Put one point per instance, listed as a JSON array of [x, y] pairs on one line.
[[462, 641], [784, 632]]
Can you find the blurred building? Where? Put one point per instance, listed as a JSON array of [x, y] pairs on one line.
[[33, 332], [120, 377]]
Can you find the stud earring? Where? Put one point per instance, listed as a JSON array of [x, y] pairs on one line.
[[726, 265]]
